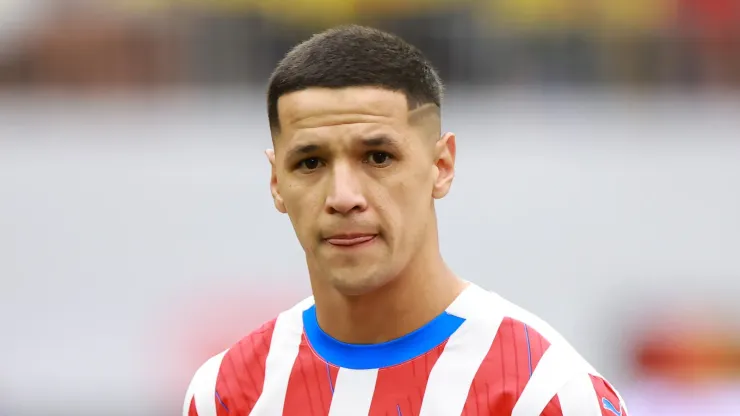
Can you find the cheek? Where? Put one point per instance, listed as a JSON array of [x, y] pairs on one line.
[[303, 208], [416, 188], [407, 200]]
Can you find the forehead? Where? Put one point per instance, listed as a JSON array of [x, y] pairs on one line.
[[313, 110]]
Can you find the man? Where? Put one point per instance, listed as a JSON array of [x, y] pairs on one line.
[[358, 161]]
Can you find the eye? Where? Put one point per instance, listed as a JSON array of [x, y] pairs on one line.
[[310, 164], [379, 159]]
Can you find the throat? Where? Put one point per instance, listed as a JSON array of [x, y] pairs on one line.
[[389, 313]]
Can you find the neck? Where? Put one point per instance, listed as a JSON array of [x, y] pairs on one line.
[[413, 298]]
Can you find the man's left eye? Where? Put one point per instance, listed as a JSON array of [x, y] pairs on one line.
[[379, 158]]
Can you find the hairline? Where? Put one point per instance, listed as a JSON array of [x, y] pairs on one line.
[[417, 110]]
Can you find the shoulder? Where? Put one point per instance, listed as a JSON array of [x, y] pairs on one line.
[[544, 373], [241, 367], [246, 357], [514, 324]]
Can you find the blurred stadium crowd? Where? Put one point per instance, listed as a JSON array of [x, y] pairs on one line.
[[687, 43]]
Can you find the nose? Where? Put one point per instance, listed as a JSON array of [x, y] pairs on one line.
[[345, 194]]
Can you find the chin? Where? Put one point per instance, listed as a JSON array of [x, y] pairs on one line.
[[357, 284]]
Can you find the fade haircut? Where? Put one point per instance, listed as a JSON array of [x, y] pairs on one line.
[[355, 56]]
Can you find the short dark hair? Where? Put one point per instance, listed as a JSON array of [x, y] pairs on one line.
[[355, 56]]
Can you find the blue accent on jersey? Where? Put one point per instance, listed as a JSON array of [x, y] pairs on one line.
[[328, 375], [398, 407], [386, 354], [529, 349], [222, 403], [610, 407]]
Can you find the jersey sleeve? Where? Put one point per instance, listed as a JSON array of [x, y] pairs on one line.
[[200, 397], [189, 407], [586, 395]]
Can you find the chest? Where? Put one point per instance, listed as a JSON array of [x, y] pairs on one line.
[[425, 385]]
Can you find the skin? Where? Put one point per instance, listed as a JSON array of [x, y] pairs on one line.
[[357, 172]]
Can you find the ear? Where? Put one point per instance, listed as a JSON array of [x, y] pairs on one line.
[[277, 199], [444, 151]]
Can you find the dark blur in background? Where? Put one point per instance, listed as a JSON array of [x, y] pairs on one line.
[[598, 186]]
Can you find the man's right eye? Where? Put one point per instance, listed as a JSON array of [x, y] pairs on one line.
[[312, 163]]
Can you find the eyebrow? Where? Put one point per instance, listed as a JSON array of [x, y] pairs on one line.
[[376, 141], [300, 150], [379, 141]]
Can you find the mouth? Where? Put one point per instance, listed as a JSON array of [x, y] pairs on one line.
[[350, 240]]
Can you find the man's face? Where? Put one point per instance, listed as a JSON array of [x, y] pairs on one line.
[[357, 172]]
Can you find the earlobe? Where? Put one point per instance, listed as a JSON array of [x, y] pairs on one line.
[[279, 204], [277, 199], [446, 149]]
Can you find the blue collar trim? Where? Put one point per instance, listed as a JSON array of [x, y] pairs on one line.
[[386, 354]]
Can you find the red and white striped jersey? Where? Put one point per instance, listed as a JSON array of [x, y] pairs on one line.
[[482, 356]]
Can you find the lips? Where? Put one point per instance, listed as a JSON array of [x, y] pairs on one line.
[[350, 240]]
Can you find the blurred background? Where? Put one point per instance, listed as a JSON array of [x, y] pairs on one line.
[[598, 186]]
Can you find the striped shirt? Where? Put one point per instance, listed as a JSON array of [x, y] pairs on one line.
[[482, 356]]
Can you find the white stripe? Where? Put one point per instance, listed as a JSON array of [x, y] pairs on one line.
[[578, 397], [203, 387], [452, 375], [556, 367], [468, 303], [286, 340], [538, 324], [547, 378], [353, 392]]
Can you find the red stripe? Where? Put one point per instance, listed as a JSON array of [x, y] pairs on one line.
[[242, 373], [402, 387], [605, 391], [310, 385], [222, 408], [553, 408], [505, 371], [538, 345], [191, 409]]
